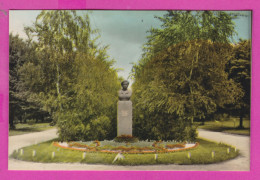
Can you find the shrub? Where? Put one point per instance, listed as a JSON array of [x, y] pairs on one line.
[[99, 128], [126, 138], [73, 128], [31, 121]]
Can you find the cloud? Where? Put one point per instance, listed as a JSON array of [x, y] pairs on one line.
[[125, 32], [128, 26]]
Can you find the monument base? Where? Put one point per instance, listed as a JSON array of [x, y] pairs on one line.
[[124, 118]]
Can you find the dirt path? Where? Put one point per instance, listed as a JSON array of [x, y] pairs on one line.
[[240, 163]]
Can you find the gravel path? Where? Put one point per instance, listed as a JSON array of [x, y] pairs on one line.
[[241, 163]]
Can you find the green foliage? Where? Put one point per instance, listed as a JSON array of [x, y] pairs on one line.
[[71, 76], [126, 139], [92, 110], [239, 69], [180, 26], [22, 104], [181, 76], [99, 128], [16, 59], [188, 82]]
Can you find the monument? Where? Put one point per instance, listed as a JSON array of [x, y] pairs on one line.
[[124, 111]]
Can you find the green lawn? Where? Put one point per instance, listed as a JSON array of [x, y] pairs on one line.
[[47, 153], [228, 126], [26, 128]]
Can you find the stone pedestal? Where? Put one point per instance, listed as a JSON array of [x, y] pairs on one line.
[[124, 118]]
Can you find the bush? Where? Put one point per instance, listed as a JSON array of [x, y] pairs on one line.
[[164, 127], [31, 121], [126, 139], [99, 128], [72, 128]]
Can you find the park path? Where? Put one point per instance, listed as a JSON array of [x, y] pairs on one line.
[[19, 141], [241, 163]]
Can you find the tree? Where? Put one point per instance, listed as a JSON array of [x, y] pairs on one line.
[[181, 26], [239, 69], [73, 76], [93, 107], [16, 59], [188, 82], [20, 103], [181, 75]]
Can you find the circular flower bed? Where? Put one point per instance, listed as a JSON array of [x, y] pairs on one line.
[[132, 148]]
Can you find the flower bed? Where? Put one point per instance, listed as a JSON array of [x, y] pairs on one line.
[[96, 147]]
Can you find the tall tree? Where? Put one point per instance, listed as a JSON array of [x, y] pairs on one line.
[[21, 103], [180, 26], [239, 69], [185, 82], [181, 75], [60, 34], [75, 80], [16, 59]]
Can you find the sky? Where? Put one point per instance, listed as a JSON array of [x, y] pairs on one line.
[[124, 31]]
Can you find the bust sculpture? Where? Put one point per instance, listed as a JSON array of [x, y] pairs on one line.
[[124, 94], [124, 111]]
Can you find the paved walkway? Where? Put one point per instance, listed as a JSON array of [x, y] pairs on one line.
[[240, 163]]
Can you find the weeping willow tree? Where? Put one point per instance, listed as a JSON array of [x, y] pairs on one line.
[[72, 76], [181, 75]]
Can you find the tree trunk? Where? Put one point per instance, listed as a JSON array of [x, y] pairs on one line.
[[203, 122], [58, 86], [11, 120], [241, 119]]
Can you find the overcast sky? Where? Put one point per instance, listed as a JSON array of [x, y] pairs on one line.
[[124, 31]]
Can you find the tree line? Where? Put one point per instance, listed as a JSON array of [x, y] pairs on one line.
[[189, 71]]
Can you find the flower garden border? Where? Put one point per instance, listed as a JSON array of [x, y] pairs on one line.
[[94, 149]]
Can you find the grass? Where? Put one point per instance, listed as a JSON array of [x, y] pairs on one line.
[[199, 155], [228, 126], [26, 128]]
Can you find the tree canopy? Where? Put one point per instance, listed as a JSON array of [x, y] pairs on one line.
[[72, 76], [22, 106], [239, 69], [181, 26], [182, 74]]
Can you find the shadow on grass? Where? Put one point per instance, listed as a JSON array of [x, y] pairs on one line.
[[28, 129], [25, 128], [231, 130]]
